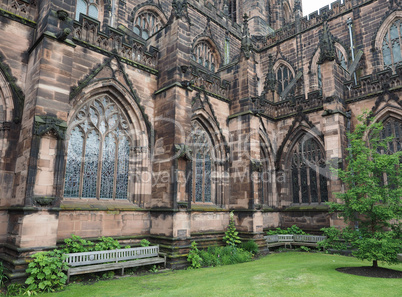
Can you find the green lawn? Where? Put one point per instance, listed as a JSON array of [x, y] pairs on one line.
[[284, 274]]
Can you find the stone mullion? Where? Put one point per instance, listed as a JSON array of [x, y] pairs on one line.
[[116, 166]]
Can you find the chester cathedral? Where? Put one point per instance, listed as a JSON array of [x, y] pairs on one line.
[[155, 119]]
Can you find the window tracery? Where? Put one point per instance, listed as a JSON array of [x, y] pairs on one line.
[[393, 128], [283, 78], [204, 55], [309, 183], [98, 152], [232, 7], [87, 7], [391, 45], [146, 24], [201, 165]]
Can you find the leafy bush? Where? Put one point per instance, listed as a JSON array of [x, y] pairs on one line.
[[231, 235], [46, 271], [107, 243], [76, 244], [216, 256], [291, 230], [305, 248], [336, 239], [250, 246], [3, 277], [194, 256], [145, 243]]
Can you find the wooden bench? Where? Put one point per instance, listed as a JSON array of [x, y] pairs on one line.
[[293, 239], [89, 262]]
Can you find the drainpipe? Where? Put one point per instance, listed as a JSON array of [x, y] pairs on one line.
[[349, 22]]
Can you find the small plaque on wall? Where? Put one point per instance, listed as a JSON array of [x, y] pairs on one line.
[[182, 233]]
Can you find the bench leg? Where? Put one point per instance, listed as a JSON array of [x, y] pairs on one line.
[[122, 271], [68, 276]]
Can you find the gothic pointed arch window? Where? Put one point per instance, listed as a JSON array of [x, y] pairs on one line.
[[147, 23], [88, 7], [309, 180], [200, 179], [98, 151], [391, 45], [283, 78], [392, 128], [205, 55]]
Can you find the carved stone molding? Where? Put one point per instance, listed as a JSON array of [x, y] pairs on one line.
[[50, 124]]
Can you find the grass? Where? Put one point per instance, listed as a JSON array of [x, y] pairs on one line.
[[283, 274]]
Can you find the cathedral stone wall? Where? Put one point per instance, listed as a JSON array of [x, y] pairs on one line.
[[156, 119]]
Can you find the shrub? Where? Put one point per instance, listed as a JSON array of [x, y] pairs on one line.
[[216, 256], [231, 235], [107, 243], [336, 239], [76, 244], [250, 246], [46, 271], [291, 230], [145, 243], [3, 277], [194, 257]]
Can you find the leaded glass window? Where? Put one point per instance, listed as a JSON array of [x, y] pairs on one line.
[[204, 55], [88, 7], [391, 128], [283, 78], [232, 7], [309, 182], [391, 45], [319, 76], [200, 181], [146, 24], [98, 152]]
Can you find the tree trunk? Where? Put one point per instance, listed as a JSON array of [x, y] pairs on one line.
[[375, 264]]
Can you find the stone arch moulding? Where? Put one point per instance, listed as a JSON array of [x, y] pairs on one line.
[[135, 141], [383, 29], [212, 128], [126, 101], [278, 63], [148, 8], [13, 95], [266, 141]]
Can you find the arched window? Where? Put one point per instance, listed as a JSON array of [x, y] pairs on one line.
[[309, 183], [204, 55], [391, 45], [200, 183], [146, 24], [98, 152], [88, 7], [232, 7], [283, 78], [393, 128]]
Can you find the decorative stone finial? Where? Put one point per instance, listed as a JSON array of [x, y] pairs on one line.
[[327, 46], [246, 45], [270, 80]]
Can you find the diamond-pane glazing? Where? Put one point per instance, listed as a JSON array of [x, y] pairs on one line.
[[104, 124], [108, 162], [122, 169], [73, 172], [91, 165]]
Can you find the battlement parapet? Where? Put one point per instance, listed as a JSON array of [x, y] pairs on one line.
[[314, 19]]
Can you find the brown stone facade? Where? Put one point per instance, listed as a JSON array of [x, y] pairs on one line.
[[155, 119]]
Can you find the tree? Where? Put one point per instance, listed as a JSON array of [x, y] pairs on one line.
[[371, 203]]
